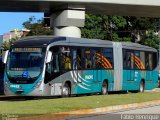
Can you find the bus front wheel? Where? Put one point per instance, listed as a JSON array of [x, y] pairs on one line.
[[104, 90], [66, 90]]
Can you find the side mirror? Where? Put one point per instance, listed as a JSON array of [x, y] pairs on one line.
[[4, 57], [49, 57]]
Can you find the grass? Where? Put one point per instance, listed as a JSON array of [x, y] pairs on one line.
[[46, 106]]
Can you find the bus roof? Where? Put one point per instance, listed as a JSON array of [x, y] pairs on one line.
[[136, 46], [44, 41], [37, 41]]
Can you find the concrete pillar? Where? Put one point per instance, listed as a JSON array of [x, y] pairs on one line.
[[67, 22]]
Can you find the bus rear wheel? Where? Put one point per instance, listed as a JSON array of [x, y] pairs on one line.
[[66, 90], [104, 90], [158, 83], [141, 88]]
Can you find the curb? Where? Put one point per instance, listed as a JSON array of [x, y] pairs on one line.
[[63, 115]]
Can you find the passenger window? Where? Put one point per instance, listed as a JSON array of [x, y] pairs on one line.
[[88, 58], [107, 58], [154, 60], [65, 58], [151, 61], [127, 59], [142, 58], [147, 61], [138, 64], [76, 56], [97, 59], [78, 59], [132, 60]]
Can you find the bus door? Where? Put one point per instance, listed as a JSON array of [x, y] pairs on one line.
[[97, 80], [97, 72], [77, 69], [82, 70], [134, 71], [87, 73], [130, 72]]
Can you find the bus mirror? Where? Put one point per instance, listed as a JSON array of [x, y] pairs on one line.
[[63, 50], [4, 57], [49, 57]]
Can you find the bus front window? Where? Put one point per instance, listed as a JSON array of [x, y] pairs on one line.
[[25, 64]]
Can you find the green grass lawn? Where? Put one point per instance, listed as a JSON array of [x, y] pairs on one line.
[[45, 106]]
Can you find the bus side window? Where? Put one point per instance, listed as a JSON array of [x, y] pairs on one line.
[[67, 62], [154, 60], [88, 58], [147, 61], [97, 59], [65, 58], [151, 61], [137, 64], [127, 59], [142, 58], [107, 60], [76, 58]]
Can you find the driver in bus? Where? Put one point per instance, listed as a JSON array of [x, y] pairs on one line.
[[67, 62]]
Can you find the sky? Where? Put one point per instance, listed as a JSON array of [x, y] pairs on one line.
[[14, 20]]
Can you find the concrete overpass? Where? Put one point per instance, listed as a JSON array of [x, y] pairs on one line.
[[149, 8], [68, 15]]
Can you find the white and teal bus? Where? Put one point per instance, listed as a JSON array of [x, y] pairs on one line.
[[64, 66]]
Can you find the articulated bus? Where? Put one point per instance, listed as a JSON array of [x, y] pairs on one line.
[[64, 66]]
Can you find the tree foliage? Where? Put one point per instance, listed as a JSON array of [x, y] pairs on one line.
[[36, 27], [119, 28], [152, 40], [6, 45]]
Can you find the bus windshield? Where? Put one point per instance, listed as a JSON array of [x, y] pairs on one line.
[[26, 63]]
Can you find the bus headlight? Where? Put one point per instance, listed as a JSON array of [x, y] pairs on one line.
[[38, 84]]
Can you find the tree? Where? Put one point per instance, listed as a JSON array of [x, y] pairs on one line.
[[119, 28], [36, 27], [94, 27], [6, 45], [152, 40]]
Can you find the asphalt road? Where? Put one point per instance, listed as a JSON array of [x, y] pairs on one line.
[[146, 113]]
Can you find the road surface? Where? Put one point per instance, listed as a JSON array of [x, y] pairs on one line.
[[146, 113]]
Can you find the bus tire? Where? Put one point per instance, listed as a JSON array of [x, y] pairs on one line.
[[104, 90], [66, 90], [158, 83], [141, 87], [28, 97]]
